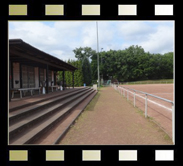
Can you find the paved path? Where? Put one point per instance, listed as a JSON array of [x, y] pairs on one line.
[[110, 120]]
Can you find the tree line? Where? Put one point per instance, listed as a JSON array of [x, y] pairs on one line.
[[130, 64]]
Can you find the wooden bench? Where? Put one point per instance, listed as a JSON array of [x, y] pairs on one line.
[[28, 89]]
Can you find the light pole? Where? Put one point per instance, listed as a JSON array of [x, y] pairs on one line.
[[101, 72], [98, 56]]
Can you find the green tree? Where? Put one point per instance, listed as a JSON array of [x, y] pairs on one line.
[[78, 75], [83, 55], [167, 65], [130, 64], [87, 75]]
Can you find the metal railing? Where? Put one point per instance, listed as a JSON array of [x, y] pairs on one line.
[[146, 82], [125, 91]]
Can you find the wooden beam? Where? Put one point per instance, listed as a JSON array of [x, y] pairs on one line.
[[55, 80], [39, 76], [12, 75], [20, 75], [63, 76], [47, 79], [27, 56], [73, 79], [10, 86]]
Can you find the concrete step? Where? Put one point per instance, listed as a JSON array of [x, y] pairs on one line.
[[39, 98], [73, 116], [35, 132], [55, 135], [31, 120], [29, 110]]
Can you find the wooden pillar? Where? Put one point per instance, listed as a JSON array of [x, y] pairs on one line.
[[12, 76], [55, 80], [47, 79], [20, 75], [39, 76], [63, 76], [10, 80], [73, 79]]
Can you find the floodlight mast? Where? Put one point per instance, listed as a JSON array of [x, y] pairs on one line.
[[98, 56]]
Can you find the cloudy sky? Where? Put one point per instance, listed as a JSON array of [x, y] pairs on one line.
[[59, 38]]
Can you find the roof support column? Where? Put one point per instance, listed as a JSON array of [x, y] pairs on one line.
[[55, 80], [63, 76], [73, 79], [20, 75], [47, 78], [10, 81], [39, 76]]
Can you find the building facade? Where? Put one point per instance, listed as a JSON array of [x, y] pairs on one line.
[[30, 67]]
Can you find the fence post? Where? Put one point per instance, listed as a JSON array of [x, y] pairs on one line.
[[173, 124], [134, 99], [146, 106]]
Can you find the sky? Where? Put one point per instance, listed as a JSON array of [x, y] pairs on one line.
[[60, 38]]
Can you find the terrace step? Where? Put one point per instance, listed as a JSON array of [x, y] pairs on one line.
[[29, 110], [73, 116], [33, 133], [41, 98], [39, 115], [55, 135]]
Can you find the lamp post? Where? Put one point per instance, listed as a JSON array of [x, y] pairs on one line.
[[98, 56], [101, 72], [82, 51]]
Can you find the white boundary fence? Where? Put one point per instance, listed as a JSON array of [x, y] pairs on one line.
[[146, 82], [125, 91]]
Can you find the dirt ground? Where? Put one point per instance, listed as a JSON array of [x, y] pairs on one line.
[[162, 116], [110, 120], [162, 90]]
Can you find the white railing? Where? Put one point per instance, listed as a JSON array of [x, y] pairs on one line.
[[125, 92], [146, 82]]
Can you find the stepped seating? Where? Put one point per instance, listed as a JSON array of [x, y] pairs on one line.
[[29, 122], [38, 98]]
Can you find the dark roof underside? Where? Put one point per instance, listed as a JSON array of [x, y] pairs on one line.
[[22, 52]]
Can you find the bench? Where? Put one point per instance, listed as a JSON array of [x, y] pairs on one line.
[[13, 91], [55, 86], [28, 89]]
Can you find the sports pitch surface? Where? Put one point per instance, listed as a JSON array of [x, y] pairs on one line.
[[162, 90], [160, 111], [110, 120]]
